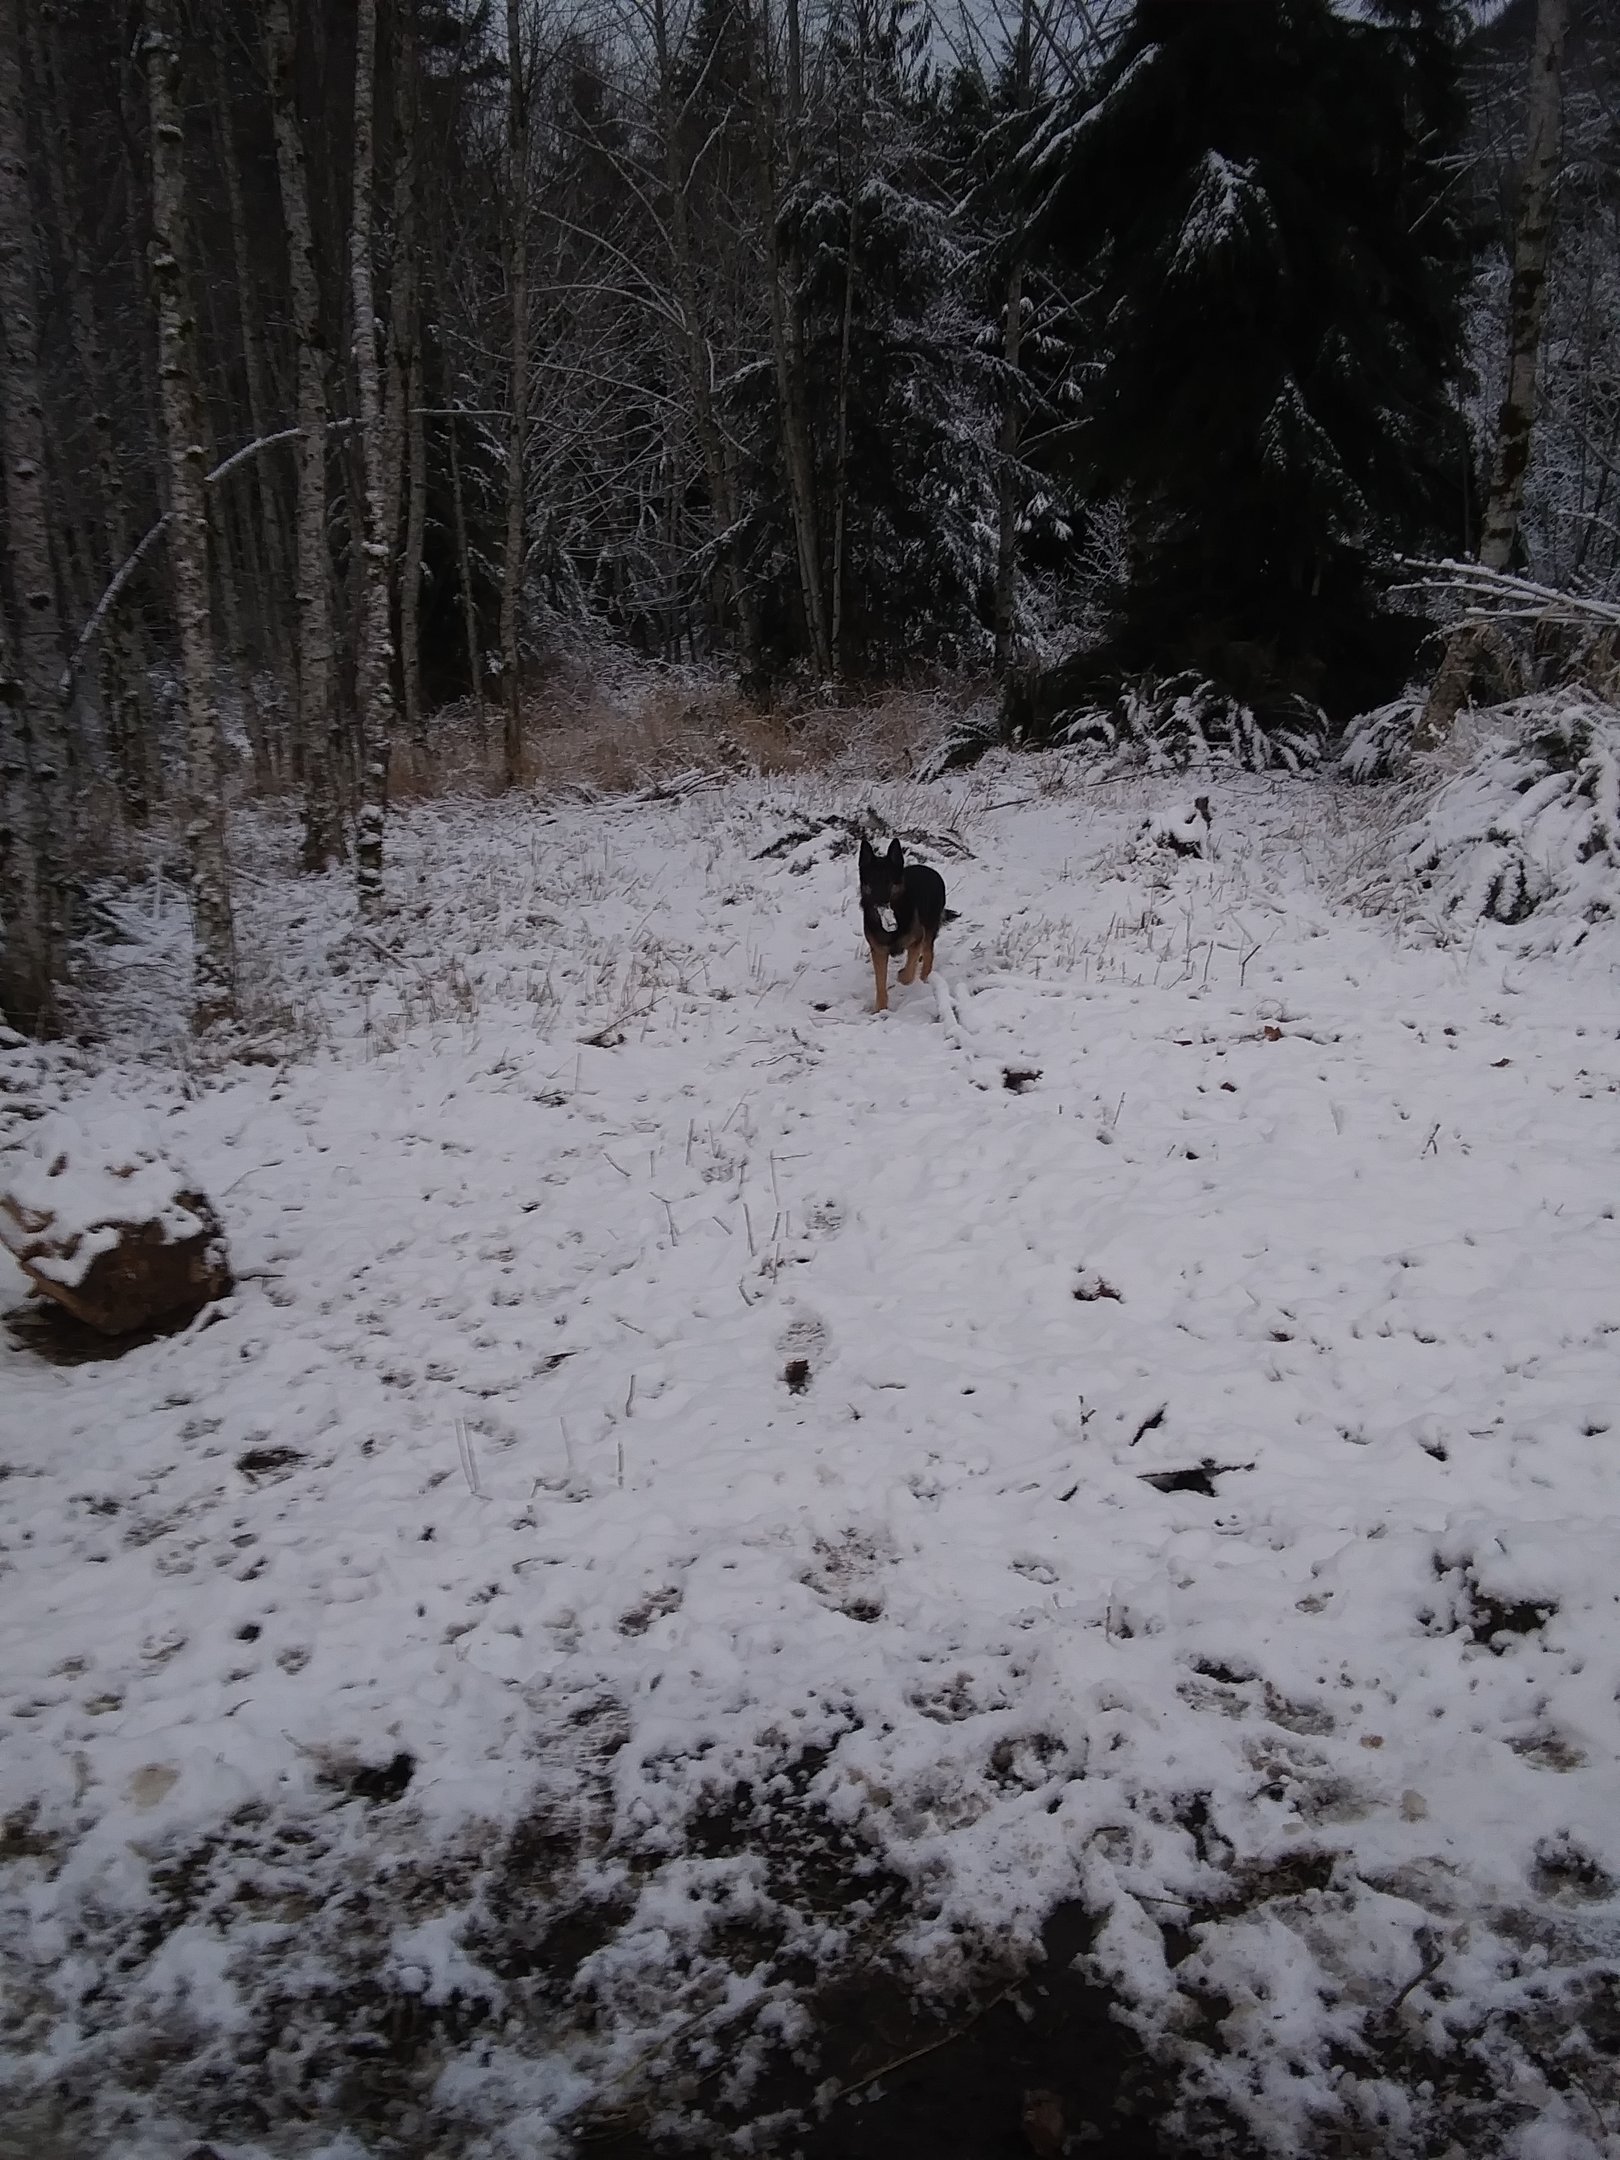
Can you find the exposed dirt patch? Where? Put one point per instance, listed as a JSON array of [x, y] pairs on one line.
[[51, 1332], [889, 2075], [1200, 1480], [267, 1462]]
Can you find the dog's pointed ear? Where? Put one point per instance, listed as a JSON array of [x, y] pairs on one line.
[[896, 857], [868, 853]]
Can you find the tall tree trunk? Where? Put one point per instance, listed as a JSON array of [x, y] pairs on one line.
[[255, 363], [62, 173], [405, 447], [1010, 428], [234, 557], [1007, 491], [125, 667], [403, 274], [718, 469], [841, 456], [1527, 310], [784, 291], [323, 832], [410, 566], [1527, 303], [375, 686], [31, 717], [845, 338], [469, 610], [517, 213], [214, 977]]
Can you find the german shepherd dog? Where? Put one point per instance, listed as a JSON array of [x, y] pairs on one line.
[[902, 907]]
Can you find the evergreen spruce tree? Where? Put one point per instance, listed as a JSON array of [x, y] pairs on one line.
[[1025, 328], [901, 432], [1259, 196], [898, 425]]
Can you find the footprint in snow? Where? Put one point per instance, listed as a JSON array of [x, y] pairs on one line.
[[803, 1344]]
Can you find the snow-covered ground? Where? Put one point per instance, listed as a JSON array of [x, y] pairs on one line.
[[699, 1488]]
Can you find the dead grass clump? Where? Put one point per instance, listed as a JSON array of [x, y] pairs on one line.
[[615, 737]]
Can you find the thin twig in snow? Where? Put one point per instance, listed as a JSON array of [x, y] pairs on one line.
[[469, 1464]]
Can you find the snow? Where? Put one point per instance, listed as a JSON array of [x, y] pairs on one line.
[[1230, 211], [1526, 824], [75, 1185], [491, 1474], [1185, 827]]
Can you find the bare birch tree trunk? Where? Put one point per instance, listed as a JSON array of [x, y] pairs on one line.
[[375, 687], [214, 976], [517, 213], [1527, 310], [323, 835], [30, 709]]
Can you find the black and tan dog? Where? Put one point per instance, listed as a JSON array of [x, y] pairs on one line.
[[902, 907]]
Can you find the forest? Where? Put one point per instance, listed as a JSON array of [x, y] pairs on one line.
[[374, 371], [639, 1516]]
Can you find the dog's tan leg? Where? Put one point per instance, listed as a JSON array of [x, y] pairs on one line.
[[908, 973], [880, 970], [928, 958]]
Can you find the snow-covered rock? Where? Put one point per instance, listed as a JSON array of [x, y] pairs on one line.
[[104, 1223]]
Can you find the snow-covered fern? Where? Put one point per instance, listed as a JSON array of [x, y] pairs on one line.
[[1186, 720], [1378, 744], [1532, 824], [964, 742]]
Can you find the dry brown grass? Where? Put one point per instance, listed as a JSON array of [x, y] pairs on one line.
[[616, 740]]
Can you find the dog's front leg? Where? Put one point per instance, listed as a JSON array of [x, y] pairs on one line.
[[880, 970]]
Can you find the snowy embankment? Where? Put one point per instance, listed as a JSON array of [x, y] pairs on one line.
[[699, 1489]]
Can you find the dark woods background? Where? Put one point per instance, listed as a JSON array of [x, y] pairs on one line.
[[819, 345]]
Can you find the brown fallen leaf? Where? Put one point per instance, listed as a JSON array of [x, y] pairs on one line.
[[1272, 1034], [1042, 2124]]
